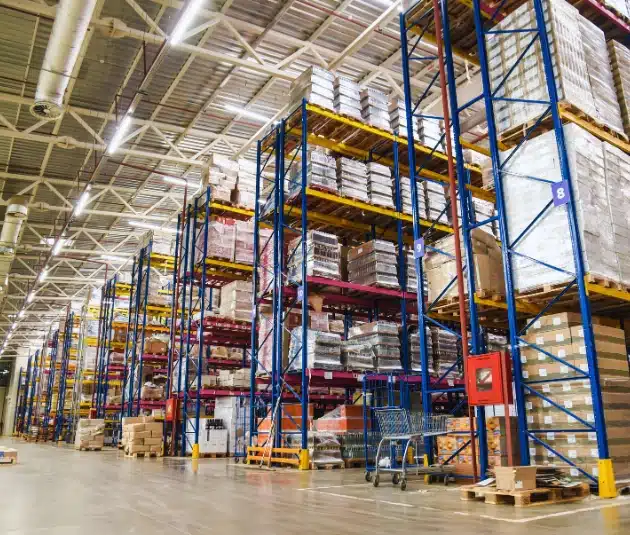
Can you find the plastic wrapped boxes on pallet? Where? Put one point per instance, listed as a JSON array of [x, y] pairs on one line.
[[374, 263], [315, 85], [582, 77], [383, 337], [375, 108], [380, 185], [323, 256], [347, 98], [323, 350], [90, 434], [141, 434], [620, 63], [562, 336], [352, 179], [600, 183], [236, 301], [321, 173], [398, 118]]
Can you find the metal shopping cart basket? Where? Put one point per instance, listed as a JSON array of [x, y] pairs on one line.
[[399, 427]]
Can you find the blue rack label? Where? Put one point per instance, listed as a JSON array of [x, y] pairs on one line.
[[419, 248], [300, 294], [560, 193]]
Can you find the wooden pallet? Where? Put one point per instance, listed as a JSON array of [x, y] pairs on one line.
[[327, 466], [213, 455], [354, 463], [525, 498], [142, 454], [90, 448]]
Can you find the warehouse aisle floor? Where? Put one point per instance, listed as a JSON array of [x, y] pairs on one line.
[[56, 491]]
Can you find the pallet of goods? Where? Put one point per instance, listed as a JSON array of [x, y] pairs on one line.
[[90, 434], [142, 436]]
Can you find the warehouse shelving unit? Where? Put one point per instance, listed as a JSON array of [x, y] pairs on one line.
[[51, 372], [33, 384], [455, 33], [65, 379], [104, 347], [196, 276], [279, 152], [18, 403], [22, 397]]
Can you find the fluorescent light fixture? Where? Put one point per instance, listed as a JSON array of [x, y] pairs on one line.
[[57, 248], [116, 141], [149, 226], [21, 314], [14, 325], [180, 181], [81, 203], [43, 275], [6, 280], [185, 20], [114, 258], [247, 113], [30, 297]]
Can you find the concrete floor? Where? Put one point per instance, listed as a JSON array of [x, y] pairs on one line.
[[57, 491]]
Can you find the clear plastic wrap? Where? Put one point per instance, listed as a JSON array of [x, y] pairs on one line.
[[323, 350]]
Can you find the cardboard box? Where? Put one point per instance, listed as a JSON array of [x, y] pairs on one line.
[[128, 420], [154, 428], [135, 427], [141, 435], [513, 478], [153, 441], [8, 455]]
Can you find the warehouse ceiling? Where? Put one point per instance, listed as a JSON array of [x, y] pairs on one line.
[[214, 93]]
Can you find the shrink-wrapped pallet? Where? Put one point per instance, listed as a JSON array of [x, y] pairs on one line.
[[321, 173], [375, 108], [323, 256], [620, 63], [347, 97], [323, 350], [316, 85], [352, 179]]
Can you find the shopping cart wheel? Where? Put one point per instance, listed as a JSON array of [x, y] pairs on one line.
[[395, 479], [376, 480], [236, 459], [403, 484], [368, 476]]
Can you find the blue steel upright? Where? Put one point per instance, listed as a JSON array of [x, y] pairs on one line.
[[50, 382], [526, 434], [60, 419]]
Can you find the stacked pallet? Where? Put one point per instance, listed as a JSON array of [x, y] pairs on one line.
[[90, 434], [142, 436], [620, 63]]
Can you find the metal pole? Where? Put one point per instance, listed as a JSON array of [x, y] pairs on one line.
[[305, 309]]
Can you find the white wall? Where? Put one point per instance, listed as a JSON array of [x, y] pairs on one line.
[[11, 396]]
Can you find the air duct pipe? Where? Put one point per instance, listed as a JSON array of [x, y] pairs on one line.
[[68, 32], [15, 215]]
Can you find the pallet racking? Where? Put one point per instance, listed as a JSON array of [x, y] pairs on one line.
[[279, 153], [63, 416], [20, 406], [454, 28], [197, 274], [51, 373]]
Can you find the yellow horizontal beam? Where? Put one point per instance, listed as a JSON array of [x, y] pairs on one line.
[[594, 129], [233, 209], [228, 265]]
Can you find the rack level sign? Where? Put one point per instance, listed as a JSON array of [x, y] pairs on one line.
[[419, 248], [560, 192]]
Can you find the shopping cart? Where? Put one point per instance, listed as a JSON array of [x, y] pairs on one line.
[[399, 427]]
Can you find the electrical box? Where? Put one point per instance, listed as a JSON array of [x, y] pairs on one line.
[[172, 410], [488, 379]]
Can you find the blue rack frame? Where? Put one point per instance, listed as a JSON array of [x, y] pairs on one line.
[[60, 419], [18, 403], [37, 365], [523, 387], [20, 421], [106, 319], [414, 25]]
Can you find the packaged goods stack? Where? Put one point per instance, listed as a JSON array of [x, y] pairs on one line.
[[332, 429], [406, 198], [398, 118], [323, 350], [412, 276], [458, 438], [600, 75], [437, 203], [446, 354], [620, 6], [244, 242], [374, 263], [380, 185], [222, 176], [484, 210], [316, 85], [213, 436], [221, 240], [430, 133], [151, 391], [620, 63], [580, 66], [291, 421], [382, 336], [245, 193], [562, 335], [323, 256], [141, 434], [352, 179], [414, 345], [236, 301], [357, 356], [347, 97], [549, 238], [233, 411], [375, 108], [234, 378], [90, 434], [440, 268], [321, 173]]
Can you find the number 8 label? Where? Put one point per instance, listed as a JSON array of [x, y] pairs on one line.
[[560, 193]]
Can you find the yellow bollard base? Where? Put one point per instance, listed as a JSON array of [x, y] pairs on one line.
[[607, 487], [427, 477], [304, 460], [195, 451]]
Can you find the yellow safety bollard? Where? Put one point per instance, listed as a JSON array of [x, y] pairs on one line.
[[607, 486]]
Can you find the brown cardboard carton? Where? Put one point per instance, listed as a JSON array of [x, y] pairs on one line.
[[511, 478], [136, 427], [128, 420], [135, 435], [152, 441], [155, 427]]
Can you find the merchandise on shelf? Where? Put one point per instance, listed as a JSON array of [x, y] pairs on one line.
[[357, 356], [374, 263], [406, 198], [598, 184], [342, 419], [212, 439], [562, 335], [383, 338], [574, 47], [221, 177], [315, 85], [620, 63], [236, 301], [244, 246], [323, 350], [323, 256], [234, 378], [321, 173], [440, 267], [221, 240], [141, 434], [245, 193], [414, 346], [437, 205], [398, 118], [380, 185], [446, 353], [430, 132], [347, 97], [375, 108], [352, 179], [151, 392], [162, 243], [410, 270]]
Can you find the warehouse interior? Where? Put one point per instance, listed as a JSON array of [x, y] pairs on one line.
[[344, 264]]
